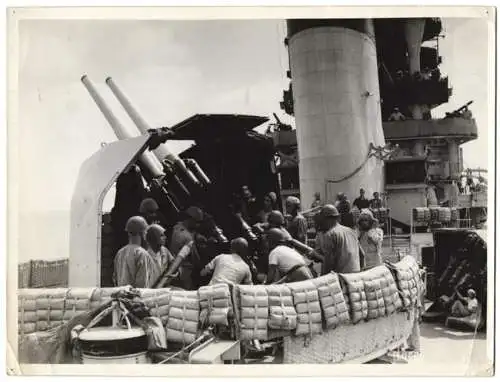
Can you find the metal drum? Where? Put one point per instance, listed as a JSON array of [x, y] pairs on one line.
[[110, 345]]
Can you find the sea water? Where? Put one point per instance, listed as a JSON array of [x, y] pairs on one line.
[[43, 236]]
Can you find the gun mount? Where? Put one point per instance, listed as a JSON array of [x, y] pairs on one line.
[[206, 175]]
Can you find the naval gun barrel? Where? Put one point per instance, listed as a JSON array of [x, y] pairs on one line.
[[162, 152], [148, 160]]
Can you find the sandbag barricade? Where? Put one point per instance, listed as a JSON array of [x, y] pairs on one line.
[[333, 303], [407, 275], [306, 301], [183, 317], [252, 312], [215, 304]]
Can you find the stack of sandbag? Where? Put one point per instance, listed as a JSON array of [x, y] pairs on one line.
[[381, 292], [157, 301], [253, 312], [306, 301], [444, 214], [420, 215], [27, 318], [355, 291], [406, 273], [49, 309], [333, 303], [215, 304], [282, 314], [434, 212], [80, 300], [183, 317]]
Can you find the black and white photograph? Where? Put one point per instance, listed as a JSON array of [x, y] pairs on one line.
[[251, 187]]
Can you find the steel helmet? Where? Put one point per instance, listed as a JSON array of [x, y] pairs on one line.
[[148, 205], [329, 211], [154, 232], [276, 218], [294, 201], [136, 225], [194, 213]]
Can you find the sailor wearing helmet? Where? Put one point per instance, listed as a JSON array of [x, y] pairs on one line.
[[131, 264], [338, 244]]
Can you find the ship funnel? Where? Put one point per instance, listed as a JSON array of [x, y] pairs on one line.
[[147, 158], [162, 152]]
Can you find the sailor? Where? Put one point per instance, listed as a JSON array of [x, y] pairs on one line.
[[150, 211], [370, 239], [317, 200], [396, 115], [184, 233], [376, 202], [230, 268], [131, 264], [361, 202], [465, 306], [297, 223], [248, 205], [269, 205], [161, 256], [343, 206], [275, 219], [285, 262], [337, 244]]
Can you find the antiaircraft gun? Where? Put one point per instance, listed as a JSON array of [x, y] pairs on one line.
[[174, 183]]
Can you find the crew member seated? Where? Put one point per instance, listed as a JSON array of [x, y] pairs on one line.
[[465, 306], [285, 263], [230, 268], [396, 115]]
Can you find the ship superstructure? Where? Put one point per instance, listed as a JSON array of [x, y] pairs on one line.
[[385, 99]]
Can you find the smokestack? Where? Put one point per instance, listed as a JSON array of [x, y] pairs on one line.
[[162, 152], [146, 158]]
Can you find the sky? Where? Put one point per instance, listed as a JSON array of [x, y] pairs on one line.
[[172, 70]]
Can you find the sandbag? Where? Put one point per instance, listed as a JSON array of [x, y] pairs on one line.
[[406, 273], [80, 300], [355, 290], [381, 292], [306, 302], [253, 312], [282, 314], [333, 303], [157, 301], [183, 317], [215, 304]]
